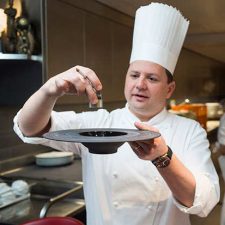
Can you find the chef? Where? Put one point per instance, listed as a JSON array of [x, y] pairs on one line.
[[220, 146], [158, 182]]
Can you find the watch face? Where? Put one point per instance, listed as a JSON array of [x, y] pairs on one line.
[[162, 162], [166, 162]]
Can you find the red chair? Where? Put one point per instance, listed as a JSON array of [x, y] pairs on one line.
[[54, 221]]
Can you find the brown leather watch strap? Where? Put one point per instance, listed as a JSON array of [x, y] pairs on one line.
[[164, 160]]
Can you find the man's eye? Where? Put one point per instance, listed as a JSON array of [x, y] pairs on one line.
[[152, 78], [134, 76]]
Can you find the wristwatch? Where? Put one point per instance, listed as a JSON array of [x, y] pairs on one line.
[[164, 160]]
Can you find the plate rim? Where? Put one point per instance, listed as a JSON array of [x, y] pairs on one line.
[[148, 135]]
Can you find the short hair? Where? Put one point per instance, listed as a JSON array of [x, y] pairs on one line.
[[169, 76]]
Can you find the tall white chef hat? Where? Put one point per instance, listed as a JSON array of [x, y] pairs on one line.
[[159, 33]]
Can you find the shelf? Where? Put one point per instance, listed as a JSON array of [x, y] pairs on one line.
[[4, 56]]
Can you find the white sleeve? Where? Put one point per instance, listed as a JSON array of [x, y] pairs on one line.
[[206, 196], [221, 131], [198, 160], [58, 121], [29, 140], [63, 121]]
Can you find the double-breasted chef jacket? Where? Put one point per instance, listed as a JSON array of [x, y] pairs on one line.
[[122, 189]]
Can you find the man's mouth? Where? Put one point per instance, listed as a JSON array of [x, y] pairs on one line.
[[140, 97]]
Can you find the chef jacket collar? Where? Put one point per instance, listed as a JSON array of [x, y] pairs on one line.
[[158, 120]]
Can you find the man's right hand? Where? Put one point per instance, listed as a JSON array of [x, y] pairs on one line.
[[72, 82], [34, 118]]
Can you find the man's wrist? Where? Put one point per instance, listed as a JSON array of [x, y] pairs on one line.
[[164, 160]]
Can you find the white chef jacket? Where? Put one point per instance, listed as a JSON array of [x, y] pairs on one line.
[[122, 189], [221, 159]]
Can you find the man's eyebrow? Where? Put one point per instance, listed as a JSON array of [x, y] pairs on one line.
[[138, 72], [135, 71], [152, 74]]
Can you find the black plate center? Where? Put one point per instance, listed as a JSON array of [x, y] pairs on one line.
[[102, 133]]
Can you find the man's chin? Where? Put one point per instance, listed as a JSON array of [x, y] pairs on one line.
[[140, 105], [141, 108]]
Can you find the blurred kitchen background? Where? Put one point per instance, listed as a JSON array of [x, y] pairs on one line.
[[42, 38]]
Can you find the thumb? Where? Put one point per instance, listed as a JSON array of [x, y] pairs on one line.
[[144, 126]]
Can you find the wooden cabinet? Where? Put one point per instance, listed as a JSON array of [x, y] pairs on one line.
[[20, 77]]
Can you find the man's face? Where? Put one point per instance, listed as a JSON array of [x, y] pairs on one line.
[[146, 89]]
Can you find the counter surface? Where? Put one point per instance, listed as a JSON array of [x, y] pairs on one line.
[[71, 172], [30, 208]]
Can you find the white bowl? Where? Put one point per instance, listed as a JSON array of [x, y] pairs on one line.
[[54, 158]]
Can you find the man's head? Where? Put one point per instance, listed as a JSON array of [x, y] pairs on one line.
[[159, 33], [147, 88]]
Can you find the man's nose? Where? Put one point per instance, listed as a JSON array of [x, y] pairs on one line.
[[141, 83]]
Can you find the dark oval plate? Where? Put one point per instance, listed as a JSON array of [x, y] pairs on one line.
[[101, 141]]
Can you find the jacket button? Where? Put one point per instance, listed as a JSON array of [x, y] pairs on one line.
[[115, 175], [115, 204]]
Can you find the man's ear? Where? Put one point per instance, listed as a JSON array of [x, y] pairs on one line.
[[171, 88]]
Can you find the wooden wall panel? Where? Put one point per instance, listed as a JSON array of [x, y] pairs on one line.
[[199, 78], [99, 49], [76, 35], [65, 37], [122, 36]]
